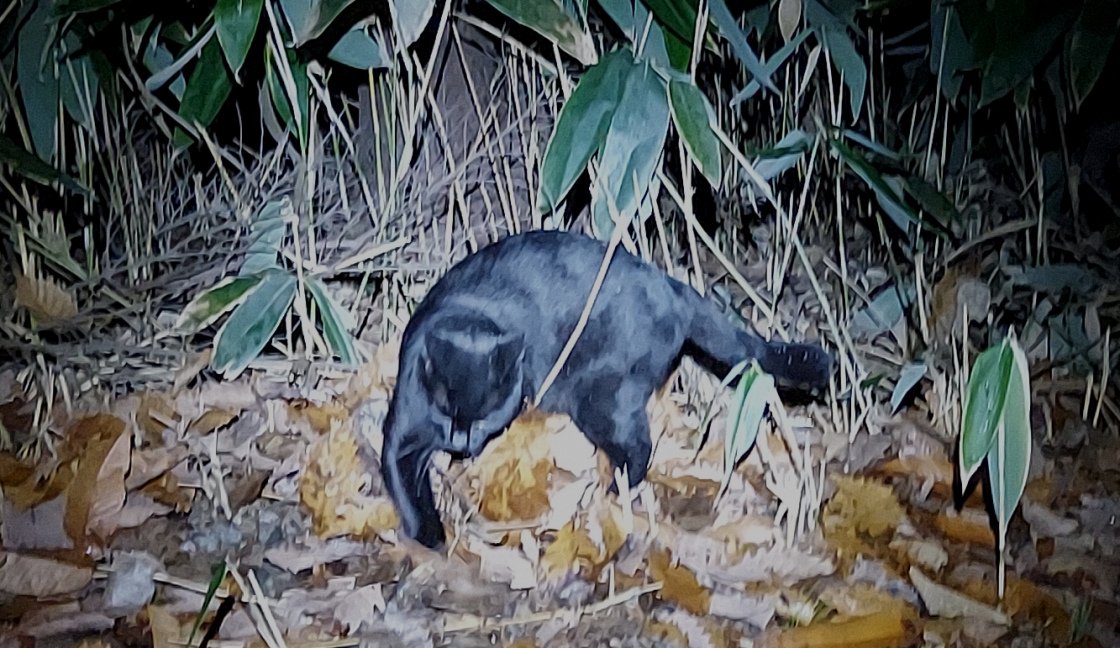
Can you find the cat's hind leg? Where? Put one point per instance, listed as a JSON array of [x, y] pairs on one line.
[[615, 421]]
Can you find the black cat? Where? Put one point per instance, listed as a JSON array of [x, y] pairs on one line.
[[482, 341]]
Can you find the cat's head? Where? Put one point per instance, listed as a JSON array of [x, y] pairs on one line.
[[474, 379]]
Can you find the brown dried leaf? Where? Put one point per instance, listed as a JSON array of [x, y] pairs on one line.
[[573, 551], [155, 413], [196, 362], [678, 584], [151, 463], [514, 471], [321, 417], [863, 506], [97, 491], [966, 527], [24, 575], [166, 630], [212, 419], [879, 630], [331, 488], [48, 302]]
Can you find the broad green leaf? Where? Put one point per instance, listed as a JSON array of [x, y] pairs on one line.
[[629, 156], [157, 59], [631, 18], [30, 166], [849, 62], [771, 65], [951, 53], [237, 22], [983, 407], [265, 235], [752, 396], [692, 116], [582, 127], [280, 98], [310, 18], [207, 89], [678, 16], [212, 303], [38, 85], [1009, 457], [1089, 43], [411, 16], [729, 28], [889, 198], [549, 19], [337, 323], [933, 202], [882, 314], [782, 156], [358, 49], [252, 324], [911, 374], [78, 83]]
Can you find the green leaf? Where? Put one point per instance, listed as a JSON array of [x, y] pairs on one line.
[[678, 16], [337, 323], [280, 98], [265, 235], [771, 65], [753, 395], [890, 199], [79, 84], [358, 49], [784, 155], [633, 146], [882, 314], [237, 22], [729, 28], [582, 127], [1089, 43], [1009, 457], [30, 166], [207, 89], [212, 303], [950, 52], [310, 18], [252, 324], [631, 17], [38, 85], [848, 61], [217, 575], [911, 374], [983, 407], [549, 19], [411, 17], [692, 116]]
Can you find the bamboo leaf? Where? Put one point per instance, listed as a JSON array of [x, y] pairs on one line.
[[252, 324], [265, 236], [38, 83], [237, 21], [337, 323], [549, 19], [692, 116], [212, 303], [983, 407], [581, 127], [207, 90], [358, 49], [633, 146]]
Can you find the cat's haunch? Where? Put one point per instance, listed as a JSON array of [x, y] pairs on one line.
[[484, 338]]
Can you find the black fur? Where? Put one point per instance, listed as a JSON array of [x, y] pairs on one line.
[[482, 341]]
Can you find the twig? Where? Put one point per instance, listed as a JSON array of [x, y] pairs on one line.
[[466, 622]]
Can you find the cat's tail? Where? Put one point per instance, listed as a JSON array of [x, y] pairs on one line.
[[719, 344]]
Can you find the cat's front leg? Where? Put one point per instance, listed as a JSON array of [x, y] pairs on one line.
[[404, 460]]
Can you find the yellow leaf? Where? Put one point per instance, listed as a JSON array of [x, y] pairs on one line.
[[514, 471], [331, 488], [678, 584], [879, 630], [44, 299]]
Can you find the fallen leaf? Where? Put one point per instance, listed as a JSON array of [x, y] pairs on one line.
[[320, 416], [678, 584], [210, 420], [47, 301], [194, 365], [882, 629], [24, 575], [970, 527], [864, 506], [331, 487], [97, 491], [166, 630], [513, 472], [571, 551], [945, 602]]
